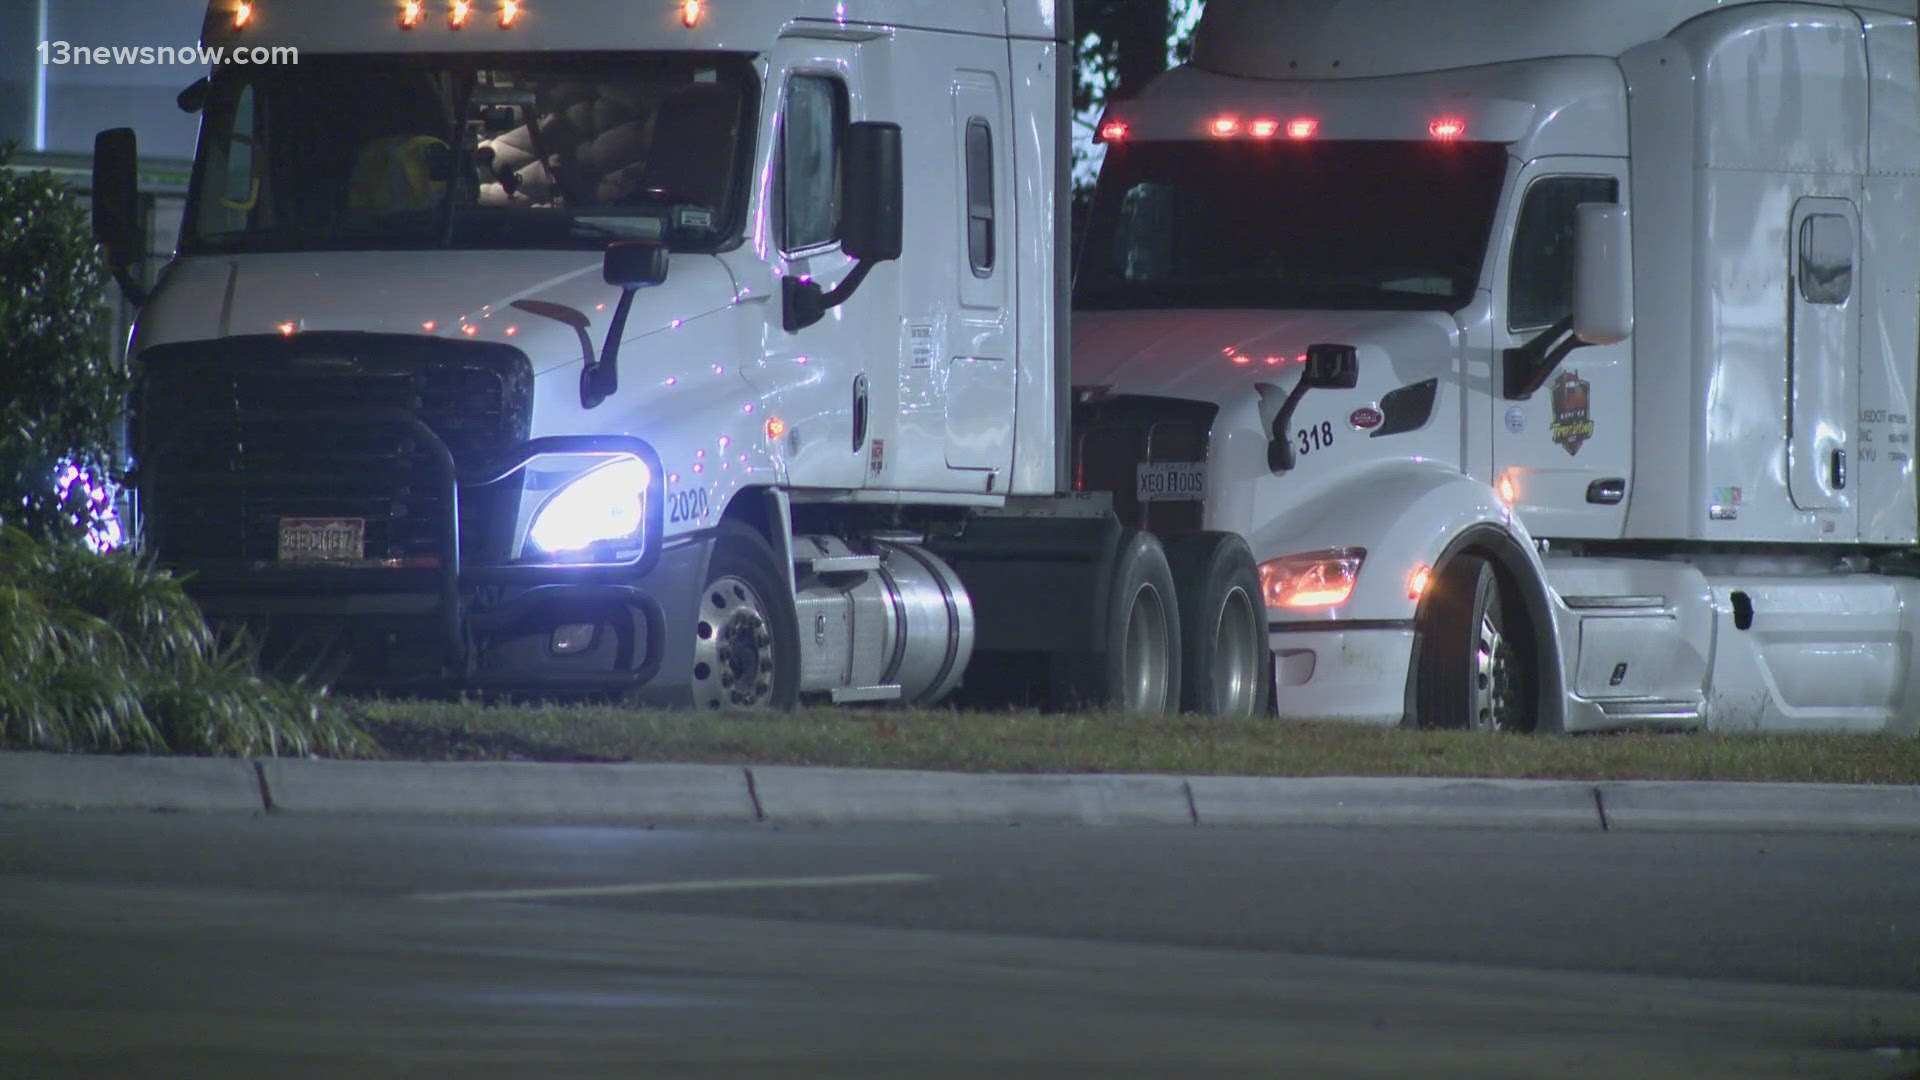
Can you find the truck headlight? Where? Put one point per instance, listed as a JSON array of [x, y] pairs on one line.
[[1312, 579], [604, 507]]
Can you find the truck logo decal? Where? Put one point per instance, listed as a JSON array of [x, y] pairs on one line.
[[1572, 419], [1365, 418]]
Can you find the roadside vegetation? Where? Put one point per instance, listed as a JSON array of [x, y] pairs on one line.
[[99, 652], [1032, 742]]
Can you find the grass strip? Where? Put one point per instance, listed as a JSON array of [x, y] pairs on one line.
[[1100, 743]]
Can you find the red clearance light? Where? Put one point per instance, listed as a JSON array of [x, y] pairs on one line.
[[459, 12], [691, 12], [1302, 127], [1113, 131], [410, 13], [1224, 126], [509, 13], [242, 14], [1447, 127], [1264, 128]]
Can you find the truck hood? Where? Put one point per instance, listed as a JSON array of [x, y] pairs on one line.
[[1217, 355], [529, 299]]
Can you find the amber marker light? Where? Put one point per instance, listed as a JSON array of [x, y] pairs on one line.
[[1509, 493], [411, 13], [459, 12], [691, 12], [776, 427], [1418, 581], [509, 13], [242, 14]]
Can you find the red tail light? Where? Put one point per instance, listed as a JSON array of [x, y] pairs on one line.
[[1113, 131], [1302, 127], [1447, 128]]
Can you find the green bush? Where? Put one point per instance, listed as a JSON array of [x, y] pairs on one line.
[[103, 653], [61, 390]]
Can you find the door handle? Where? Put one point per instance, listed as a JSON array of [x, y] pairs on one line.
[[1607, 492], [859, 412], [1839, 470]]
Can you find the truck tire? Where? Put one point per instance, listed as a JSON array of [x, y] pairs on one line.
[[746, 649], [1139, 669], [1475, 656], [1224, 659]]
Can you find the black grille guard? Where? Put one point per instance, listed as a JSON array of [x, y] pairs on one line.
[[448, 581]]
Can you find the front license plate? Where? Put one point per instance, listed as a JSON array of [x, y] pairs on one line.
[[1165, 481], [323, 539]]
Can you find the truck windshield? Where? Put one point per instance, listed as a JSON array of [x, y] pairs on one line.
[[1286, 224], [542, 151]]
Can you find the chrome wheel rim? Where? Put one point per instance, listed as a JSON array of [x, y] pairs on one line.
[[733, 659], [1495, 701], [1236, 656], [1148, 666]]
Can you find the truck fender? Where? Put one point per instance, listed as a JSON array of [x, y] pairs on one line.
[[1407, 515]]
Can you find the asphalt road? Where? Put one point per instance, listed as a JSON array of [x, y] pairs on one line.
[[210, 946]]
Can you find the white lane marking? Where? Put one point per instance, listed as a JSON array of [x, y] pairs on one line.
[[653, 888]]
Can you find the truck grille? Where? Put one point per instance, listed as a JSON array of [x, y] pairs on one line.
[[1114, 435], [231, 436]]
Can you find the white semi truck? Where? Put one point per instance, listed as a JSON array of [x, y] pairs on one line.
[[709, 351], [1612, 312]]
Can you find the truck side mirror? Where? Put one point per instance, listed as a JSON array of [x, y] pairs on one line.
[[194, 97], [116, 206], [872, 192], [634, 264], [1602, 274], [1331, 367], [629, 265], [871, 220], [1328, 367]]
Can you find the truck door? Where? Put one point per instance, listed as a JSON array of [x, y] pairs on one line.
[[832, 378], [1565, 452], [1823, 351]]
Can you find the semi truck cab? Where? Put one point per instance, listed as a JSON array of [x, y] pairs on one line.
[[1623, 299]]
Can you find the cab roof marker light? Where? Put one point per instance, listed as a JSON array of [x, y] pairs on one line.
[[1112, 131], [1264, 128], [509, 13], [1302, 127], [458, 13], [1447, 128], [410, 14], [691, 12], [242, 14]]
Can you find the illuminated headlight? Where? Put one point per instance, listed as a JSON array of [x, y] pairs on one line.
[[603, 508], [1313, 579]]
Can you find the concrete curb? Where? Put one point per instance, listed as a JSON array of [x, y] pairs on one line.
[[696, 793], [86, 782], [800, 794], [509, 789], [1694, 806], [1343, 800]]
